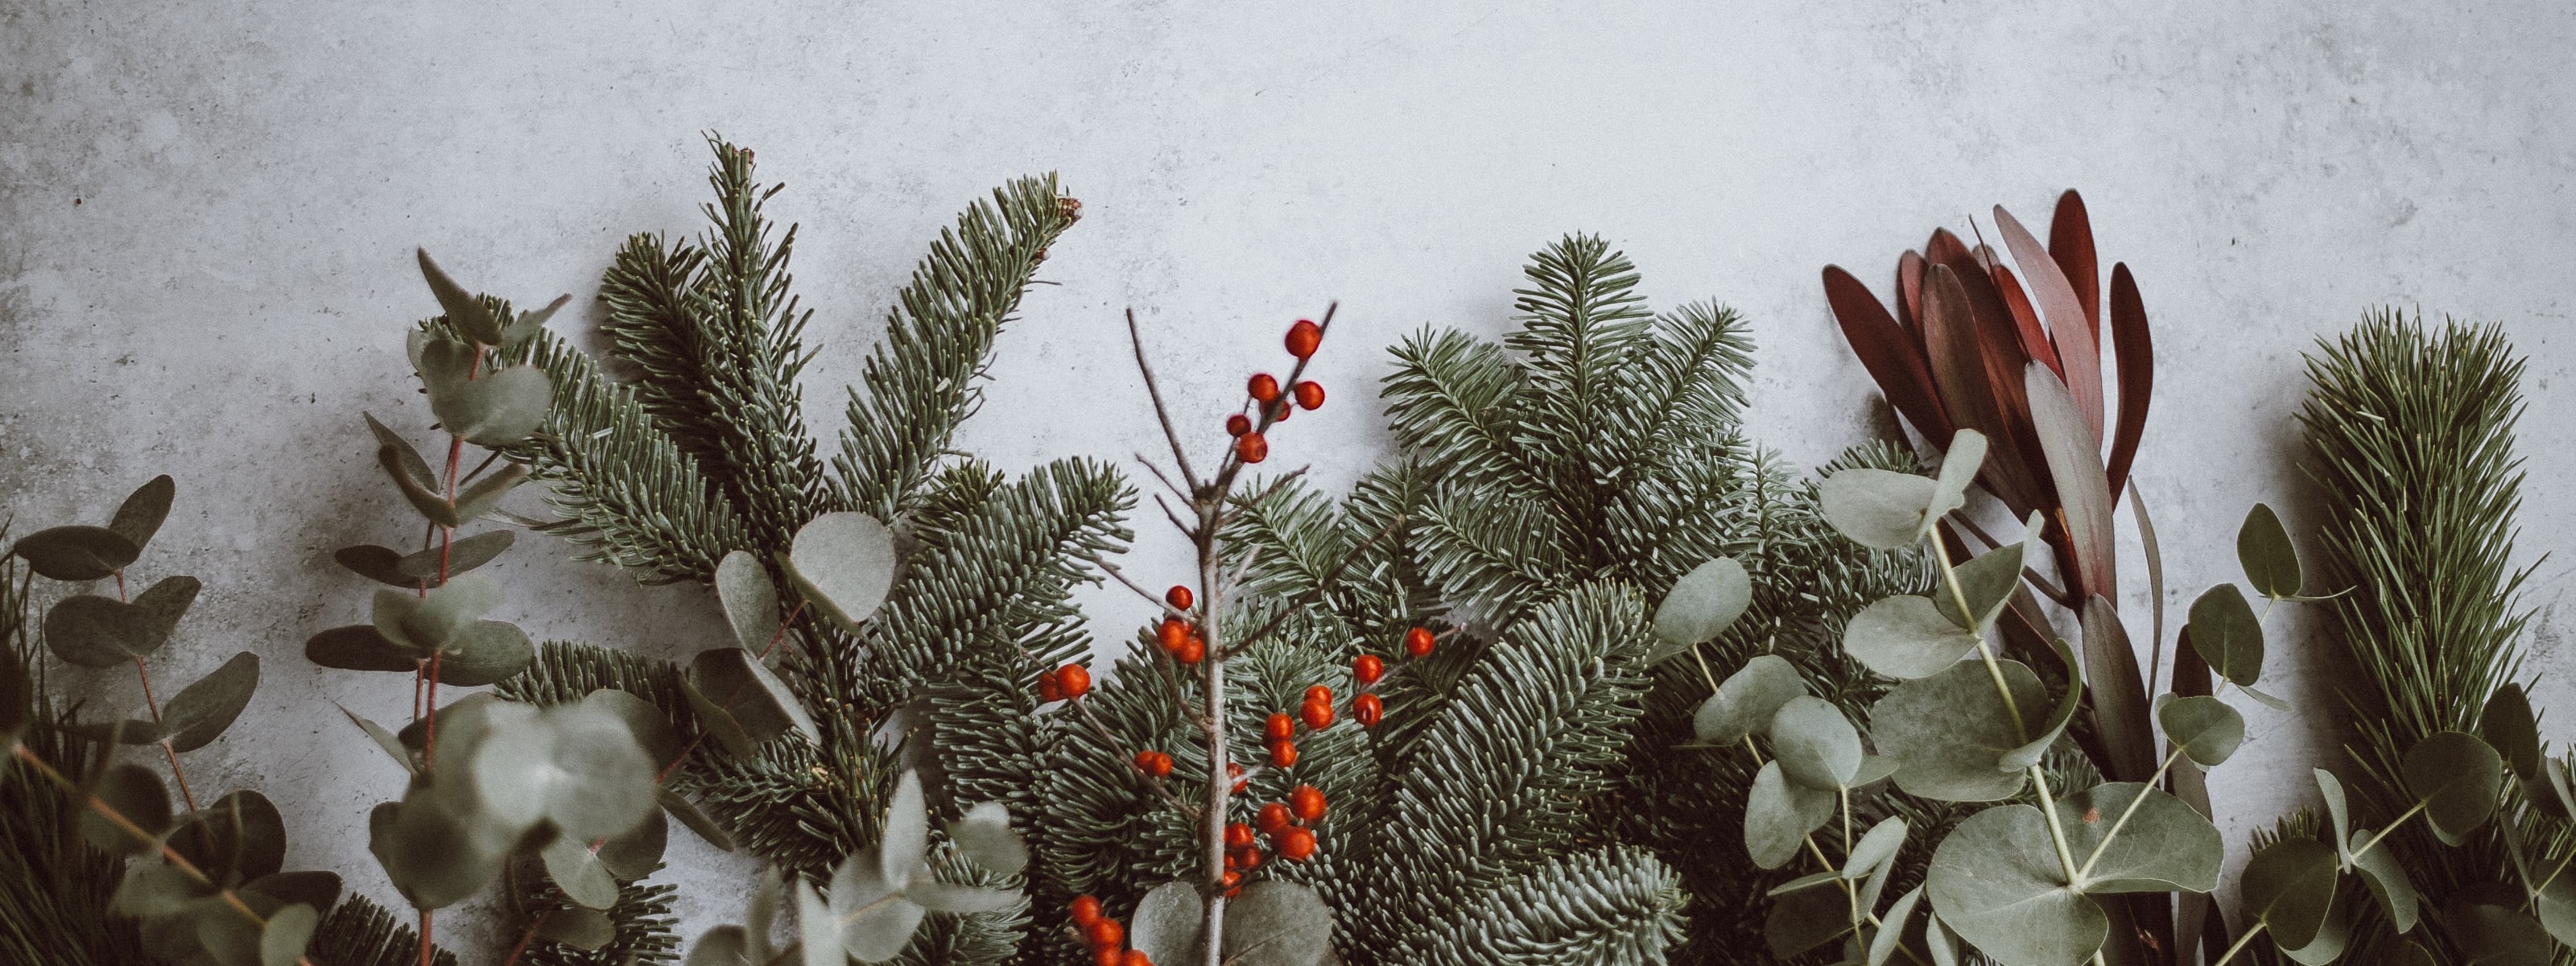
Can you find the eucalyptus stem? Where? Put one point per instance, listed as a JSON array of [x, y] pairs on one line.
[[2123, 821], [2241, 943]]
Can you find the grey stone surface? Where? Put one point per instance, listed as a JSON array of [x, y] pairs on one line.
[[206, 213]]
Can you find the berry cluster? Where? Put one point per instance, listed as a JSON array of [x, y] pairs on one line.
[[1107, 937], [1178, 639], [1064, 684], [1273, 405]]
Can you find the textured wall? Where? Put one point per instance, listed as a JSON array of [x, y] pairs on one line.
[[206, 212]]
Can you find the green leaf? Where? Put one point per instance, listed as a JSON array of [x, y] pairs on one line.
[[721, 946], [1906, 637], [486, 652], [2556, 906], [875, 920], [1951, 732], [1988, 582], [687, 812], [984, 835], [140, 516], [321, 890], [1779, 813], [2494, 934], [750, 600], [844, 563], [1800, 921], [434, 857], [1940, 941], [960, 900], [1815, 745], [2205, 728], [2166, 846], [76, 553], [1276, 923], [634, 854], [817, 936], [240, 835], [651, 728], [134, 792], [495, 410], [530, 323], [2508, 727], [424, 496], [224, 939], [1883, 945], [151, 890], [577, 927], [1879, 509], [907, 830], [1702, 605], [1808, 881], [457, 557], [2068, 703], [751, 697], [579, 873], [2409, 953], [1873, 769], [400, 458], [2290, 886], [2338, 811], [2458, 778], [2263, 547], [380, 564], [201, 711], [1997, 882], [1877, 845], [1959, 465], [94, 631], [2391, 888], [575, 765], [2552, 792], [2226, 633], [289, 930], [427, 624], [358, 647], [1167, 923], [462, 309], [2332, 937], [1746, 700], [759, 915], [486, 493]]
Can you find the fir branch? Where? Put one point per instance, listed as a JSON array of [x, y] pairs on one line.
[[1616, 906], [360, 933], [1453, 396]]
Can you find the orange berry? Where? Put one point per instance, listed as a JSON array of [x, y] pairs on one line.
[[1279, 728], [1049, 689], [1418, 642], [1368, 668], [1179, 597], [1310, 395], [1154, 763], [1107, 957], [1307, 802], [1229, 882], [1279, 411], [1246, 858], [1192, 651], [1273, 818], [1238, 424], [1074, 679], [1252, 448], [1237, 835], [1297, 844], [1106, 934], [1283, 754], [1367, 710], [1172, 633], [1304, 337], [1136, 957], [1262, 388], [1085, 911], [1317, 715], [1319, 694]]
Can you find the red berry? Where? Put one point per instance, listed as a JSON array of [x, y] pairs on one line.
[[1418, 642], [1238, 835], [1136, 957], [1172, 633], [1179, 597], [1368, 668], [1274, 817], [1263, 388], [1109, 956], [1280, 727], [1192, 651], [1303, 337], [1319, 694], [1307, 801], [1246, 858], [1229, 881], [1154, 763], [1106, 934], [1085, 911], [1074, 679], [1297, 844], [1234, 771], [1310, 395], [1049, 690], [1283, 754], [1317, 715], [1367, 709], [1252, 448], [1238, 424]]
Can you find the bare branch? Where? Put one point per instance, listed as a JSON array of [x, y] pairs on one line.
[[1112, 569], [1179, 457]]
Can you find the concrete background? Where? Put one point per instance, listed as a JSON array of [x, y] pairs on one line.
[[207, 209]]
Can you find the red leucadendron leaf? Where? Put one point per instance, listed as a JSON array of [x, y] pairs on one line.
[[2067, 323], [1891, 355], [1909, 292], [2070, 245], [2137, 360], [2034, 337], [1960, 371]]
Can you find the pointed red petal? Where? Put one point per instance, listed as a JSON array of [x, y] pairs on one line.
[[1964, 356], [1887, 351], [2082, 368], [1909, 293], [2034, 339], [2137, 360], [2070, 244]]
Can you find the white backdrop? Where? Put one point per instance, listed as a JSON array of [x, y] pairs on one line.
[[207, 209]]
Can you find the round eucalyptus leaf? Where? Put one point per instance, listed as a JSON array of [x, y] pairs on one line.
[[1959, 466], [1906, 637], [2290, 885], [577, 871], [478, 499], [861, 881], [1987, 582], [289, 930], [1703, 603], [2508, 727], [2332, 937], [1277, 923], [2552, 792], [76, 552], [818, 936], [420, 490], [574, 765], [2205, 728], [985, 835], [578, 927], [1950, 732], [1877, 845], [750, 600], [400, 457], [721, 946], [2395, 893], [754, 698], [1779, 813], [201, 711], [2496, 934], [2046, 735], [140, 516], [222, 940], [2263, 548], [463, 311], [428, 623], [495, 410], [651, 728], [456, 558], [357, 647], [959, 900], [877, 932], [760, 913], [434, 857], [1940, 941], [321, 890], [2556, 906], [2166, 845], [485, 652], [95, 631], [2411, 953], [377, 563], [906, 840], [1815, 745], [844, 563], [1746, 700], [715, 720], [1880, 509], [135, 793], [240, 835], [1167, 923], [1873, 769], [636, 853], [1892, 933], [151, 890], [2338, 811], [2226, 633], [2458, 778], [1996, 881]]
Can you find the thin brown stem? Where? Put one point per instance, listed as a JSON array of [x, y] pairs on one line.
[[1121, 576], [1180, 454], [1158, 475]]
